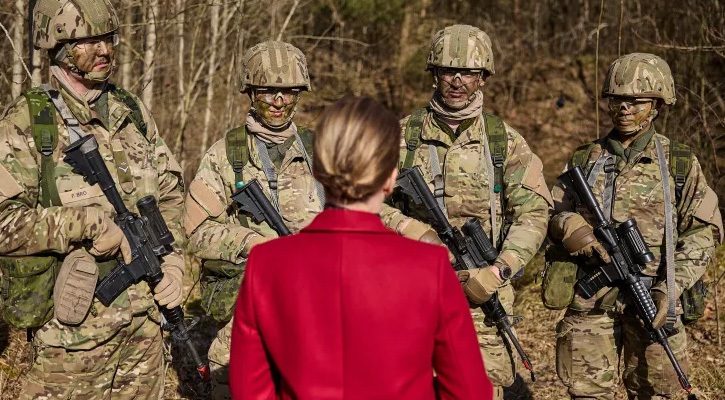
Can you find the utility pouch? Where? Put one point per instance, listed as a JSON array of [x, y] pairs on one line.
[[26, 289], [220, 287], [693, 302], [560, 274]]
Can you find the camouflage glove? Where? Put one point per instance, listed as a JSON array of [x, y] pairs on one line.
[[169, 292], [479, 284], [250, 241], [107, 237], [74, 288], [662, 302], [577, 236], [417, 230]]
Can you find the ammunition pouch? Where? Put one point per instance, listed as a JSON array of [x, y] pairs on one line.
[[560, 276], [26, 289], [220, 287], [693, 302]]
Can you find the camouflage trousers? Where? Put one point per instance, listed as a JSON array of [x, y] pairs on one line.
[[500, 364], [588, 350], [129, 366], [219, 363]]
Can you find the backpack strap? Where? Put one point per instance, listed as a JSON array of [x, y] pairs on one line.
[[498, 143], [680, 164], [413, 133], [581, 155], [136, 115], [304, 139], [307, 136], [45, 135], [237, 152]]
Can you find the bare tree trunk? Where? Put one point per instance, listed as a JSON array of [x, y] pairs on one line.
[[147, 95], [18, 30], [210, 74], [181, 86], [127, 52]]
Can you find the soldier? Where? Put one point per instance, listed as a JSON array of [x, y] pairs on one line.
[[269, 147], [82, 349], [477, 166], [678, 218]]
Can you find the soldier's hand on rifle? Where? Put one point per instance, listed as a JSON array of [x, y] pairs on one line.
[[577, 236], [417, 230], [106, 236], [250, 241], [480, 284], [170, 292], [662, 302]]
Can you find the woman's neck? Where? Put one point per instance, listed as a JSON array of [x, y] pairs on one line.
[[372, 204]]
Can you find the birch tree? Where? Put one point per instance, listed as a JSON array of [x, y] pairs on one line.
[[18, 30], [147, 95]]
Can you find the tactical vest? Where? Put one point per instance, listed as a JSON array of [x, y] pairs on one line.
[[680, 162], [221, 280], [27, 282], [497, 142]]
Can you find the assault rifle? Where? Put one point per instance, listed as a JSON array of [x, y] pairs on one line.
[[471, 249], [147, 235], [251, 198], [629, 254]]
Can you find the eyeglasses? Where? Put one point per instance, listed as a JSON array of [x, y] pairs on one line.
[[466, 76], [634, 106], [271, 95], [111, 40]]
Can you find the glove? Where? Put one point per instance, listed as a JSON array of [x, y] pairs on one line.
[[74, 288], [169, 291], [662, 302], [251, 242], [578, 238], [107, 237], [479, 284], [417, 230]]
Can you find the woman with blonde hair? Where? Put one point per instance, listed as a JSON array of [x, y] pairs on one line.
[[347, 309]]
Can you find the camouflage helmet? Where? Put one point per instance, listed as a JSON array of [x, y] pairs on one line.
[[274, 64], [640, 75], [461, 46], [57, 21]]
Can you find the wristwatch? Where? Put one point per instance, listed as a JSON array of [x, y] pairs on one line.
[[504, 271]]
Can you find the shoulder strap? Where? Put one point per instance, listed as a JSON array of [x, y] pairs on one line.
[[307, 136], [45, 135], [581, 155], [680, 164], [237, 152], [413, 133], [498, 143], [136, 115]]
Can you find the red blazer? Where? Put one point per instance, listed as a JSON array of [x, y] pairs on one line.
[[347, 309]]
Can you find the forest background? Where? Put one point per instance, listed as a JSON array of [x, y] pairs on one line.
[[182, 58]]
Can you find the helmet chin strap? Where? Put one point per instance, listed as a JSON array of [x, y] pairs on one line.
[[446, 102]]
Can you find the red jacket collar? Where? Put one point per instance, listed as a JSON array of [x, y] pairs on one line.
[[340, 220]]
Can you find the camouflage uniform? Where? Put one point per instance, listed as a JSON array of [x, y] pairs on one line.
[[117, 350], [29, 229], [595, 332], [218, 232], [524, 212]]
